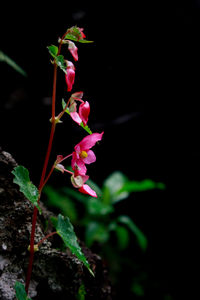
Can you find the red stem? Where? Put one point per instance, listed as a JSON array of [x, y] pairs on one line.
[[41, 185], [46, 237]]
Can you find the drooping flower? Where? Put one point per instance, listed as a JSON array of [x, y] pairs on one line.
[[70, 76], [79, 182], [73, 50], [83, 155], [84, 109]]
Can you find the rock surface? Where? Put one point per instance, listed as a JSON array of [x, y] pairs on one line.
[[56, 274]]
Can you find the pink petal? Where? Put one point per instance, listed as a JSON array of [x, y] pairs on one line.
[[77, 95], [90, 158], [78, 166], [78, 181], [75, 116], [89, 141], [84, 111], [86, 189], [73, 50], [70, 76]]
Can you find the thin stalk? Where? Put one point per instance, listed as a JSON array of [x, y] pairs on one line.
[[46, 237], [42, 179]]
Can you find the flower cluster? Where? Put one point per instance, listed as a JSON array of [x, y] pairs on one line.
[[82, 154]]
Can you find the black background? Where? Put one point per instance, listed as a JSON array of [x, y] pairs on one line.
[[141, 77]]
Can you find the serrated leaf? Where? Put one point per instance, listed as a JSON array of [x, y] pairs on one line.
[[53, 50], [141, 238], [61, 63], [86, 128], [20, 291], [74, 34], [66, 231], [25, 185]]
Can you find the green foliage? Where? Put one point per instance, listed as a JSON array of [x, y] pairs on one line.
[[26, 186], [20, 291], [66, 231], [74, 34], [99, 219], [81, 292], [53, 50], [5, 58], [142, 240], [61, 201], [86, 128]]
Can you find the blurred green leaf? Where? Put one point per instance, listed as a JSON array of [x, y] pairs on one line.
[[74, 194], [141, 238], [81, 292], [96, 231], [65, 229], [122, 237], [96, 207], [20, 291], [25, 185], [5, 58], [111, 187], [141, 186], [64, 203], [137, 289]]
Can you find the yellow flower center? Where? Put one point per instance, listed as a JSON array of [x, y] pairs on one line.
[[83, 154]]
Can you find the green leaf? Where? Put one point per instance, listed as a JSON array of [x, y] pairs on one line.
[[122, 236], [86, 128], [61, 63], [81, 292], [141, 238], [111, 187], [53, 50], [20, 291], [64, 203], [96, 207], [26, 186], [141, 186], [74, 34], [66, 231], [96, 231], [5, 58]]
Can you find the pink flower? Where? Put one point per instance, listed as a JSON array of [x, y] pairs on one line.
[[70, 76], [73, 50], [79, 182], [83, 155], [84, 109]]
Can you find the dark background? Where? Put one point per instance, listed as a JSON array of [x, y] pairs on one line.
[[141, 77]]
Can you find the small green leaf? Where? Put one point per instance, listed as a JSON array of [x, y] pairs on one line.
[[81, 292], [86, 128], [96, 207], [141, 186], [26, 186], [142, 240], [61, 201], [20, 291], [122, 236], [112, 185], [5, 58], [74, 34], [66, 231], [61, 63], [96, 231], [53, 50]]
